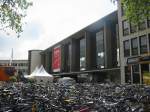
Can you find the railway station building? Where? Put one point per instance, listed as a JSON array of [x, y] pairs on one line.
[[90, 54], [110, 49]]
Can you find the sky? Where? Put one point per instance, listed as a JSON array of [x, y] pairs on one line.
[[50, 21]]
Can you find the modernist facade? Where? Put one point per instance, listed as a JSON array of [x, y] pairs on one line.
[[134, 49], [20, 65], [111, 48], [90, 53]]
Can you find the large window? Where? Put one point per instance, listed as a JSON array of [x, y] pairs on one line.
[[82, 54], [133, 27], [100, 49], [134, 44], [143, 44], [126, 48], [125, 26], [142, 25]]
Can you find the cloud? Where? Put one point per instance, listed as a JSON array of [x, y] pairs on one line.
[[49, 21], [32, 31]]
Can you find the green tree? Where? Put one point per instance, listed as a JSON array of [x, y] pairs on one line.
[[11, 14], [136, 10]]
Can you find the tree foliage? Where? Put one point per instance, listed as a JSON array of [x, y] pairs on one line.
[[11, 14], [136, 10]]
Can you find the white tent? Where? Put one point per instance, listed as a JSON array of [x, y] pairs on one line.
[[40, 75], [33, 73]]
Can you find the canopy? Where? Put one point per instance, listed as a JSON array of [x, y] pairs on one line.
[[40, 75]]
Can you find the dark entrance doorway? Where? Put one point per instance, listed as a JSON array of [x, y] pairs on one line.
[[145, 72]]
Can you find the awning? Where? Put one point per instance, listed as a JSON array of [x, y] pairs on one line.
[[139, 60]]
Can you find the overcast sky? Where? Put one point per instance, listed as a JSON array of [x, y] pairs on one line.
[[49, 21]]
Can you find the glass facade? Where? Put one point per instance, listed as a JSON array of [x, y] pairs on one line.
[[125, 26], [143, 44], [82, 54], [100, 49], [134, 44], [126, 48]]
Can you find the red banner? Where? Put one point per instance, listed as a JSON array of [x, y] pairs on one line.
[[56, 59]]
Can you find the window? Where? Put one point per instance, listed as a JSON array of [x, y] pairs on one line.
[[125, 26], [126, 48], [148, 22], [135, 74], [133, 28], [15, 64], [127, 74], [118, 57], [122, 10], [82, 54], [145, 72], [134, 44], [149, 43], [100, 49], [142, 25], [143, 44]]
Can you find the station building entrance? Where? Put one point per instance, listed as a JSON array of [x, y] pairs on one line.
[[94, 76], [137, 70]]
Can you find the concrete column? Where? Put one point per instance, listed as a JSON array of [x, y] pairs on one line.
[[131, 75], [43, 59], [122, 62], [107, 45], [62, 58], [140, 73], [88, 50], [93, 51], [48, 62], [75, 61]]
